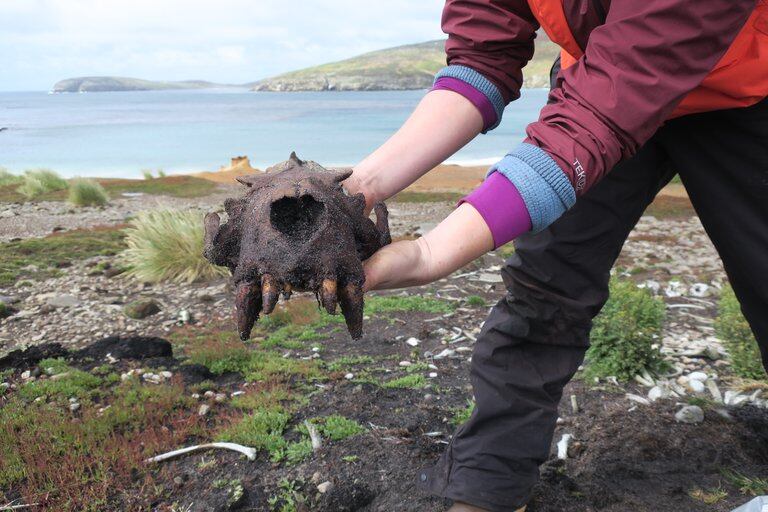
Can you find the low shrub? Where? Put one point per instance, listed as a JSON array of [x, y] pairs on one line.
[[167, 245], [732, 328], [41, 181], [625, 332], [84, 192]]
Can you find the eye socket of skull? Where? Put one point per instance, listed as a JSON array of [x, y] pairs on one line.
[[296, 217]]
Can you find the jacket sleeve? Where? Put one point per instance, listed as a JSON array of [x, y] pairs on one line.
[[636, 69], [489, 42]]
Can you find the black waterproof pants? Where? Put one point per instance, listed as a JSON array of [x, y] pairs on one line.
[[535, 338]]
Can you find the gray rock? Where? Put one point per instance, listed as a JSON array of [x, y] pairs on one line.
[[690, 414], [62, 301]]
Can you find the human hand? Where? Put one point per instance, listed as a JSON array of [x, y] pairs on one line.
[[459, 239]]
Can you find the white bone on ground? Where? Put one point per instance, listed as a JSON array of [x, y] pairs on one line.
[[314, 436], [445, 353], [413, 341], [714, 391], [637, 398], [701, 376], [562, 446], [250, 453]]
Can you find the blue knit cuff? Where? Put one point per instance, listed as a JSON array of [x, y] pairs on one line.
[[544, 187], [479, 82]]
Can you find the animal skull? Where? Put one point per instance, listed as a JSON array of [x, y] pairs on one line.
[[296, 229]]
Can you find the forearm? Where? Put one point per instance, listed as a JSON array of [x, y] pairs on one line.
[[442, 123], [459, 239]]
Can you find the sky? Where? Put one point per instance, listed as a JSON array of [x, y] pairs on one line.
[[225, 41]]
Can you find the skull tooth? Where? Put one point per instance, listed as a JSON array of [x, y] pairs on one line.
[[247, 306], [351, 300], [328, 295], [270, 292]]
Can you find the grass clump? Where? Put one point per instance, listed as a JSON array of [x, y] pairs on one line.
[[709, 497], [733, 329], [84, 192], [46, 255], [625, 332], [753, 486], [391, 303], [412, 381], [7, 178], [41, 181], [167, 245]]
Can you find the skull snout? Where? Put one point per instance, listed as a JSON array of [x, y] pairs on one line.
[[297, 217]]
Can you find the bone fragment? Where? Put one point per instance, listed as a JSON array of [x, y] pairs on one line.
[[250, 453]]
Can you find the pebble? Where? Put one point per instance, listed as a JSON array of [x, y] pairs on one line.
[[414, 342], [433, 375], [62, 301], [220, 397], [404, 364], [325, 487], [696, 386], [700, 376], [349, 376], [74, 407], [690, 414], [203, 410]]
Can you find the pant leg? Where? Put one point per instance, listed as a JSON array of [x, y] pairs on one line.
[[722, 158], [535, 338]]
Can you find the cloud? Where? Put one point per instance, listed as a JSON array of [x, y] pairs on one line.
[[232, 41]]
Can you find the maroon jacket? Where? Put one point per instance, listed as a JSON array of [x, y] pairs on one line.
[[641, 58]]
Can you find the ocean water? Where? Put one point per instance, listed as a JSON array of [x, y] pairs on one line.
[[119, 134]]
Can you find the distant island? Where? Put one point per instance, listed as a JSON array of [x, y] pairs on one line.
[[401, 68], [115, 83]]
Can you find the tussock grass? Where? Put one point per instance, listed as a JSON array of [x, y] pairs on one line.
[[733, 329], [167, 245], [84, 192], [7, 178], [41, 181], [625, 333]]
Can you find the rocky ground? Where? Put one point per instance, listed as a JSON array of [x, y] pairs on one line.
[[659, 443]]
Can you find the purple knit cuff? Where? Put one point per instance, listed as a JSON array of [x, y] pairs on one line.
[[502, 207], [477, 98]]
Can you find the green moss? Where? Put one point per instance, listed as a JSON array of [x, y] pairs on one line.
[[262, 430], [68, 383], [462, 414], [297, 451], [387, 304], [346, 362], [413, 381], [55, 251], [336, 427], [733, 329], [475, 301], [292, 337], [625, 332]]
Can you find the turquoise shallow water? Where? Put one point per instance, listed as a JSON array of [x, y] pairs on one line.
[[119, 134]]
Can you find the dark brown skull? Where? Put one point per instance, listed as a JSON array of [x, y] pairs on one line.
[[295, 229]]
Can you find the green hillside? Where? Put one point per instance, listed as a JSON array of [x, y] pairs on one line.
[[401, 68]]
